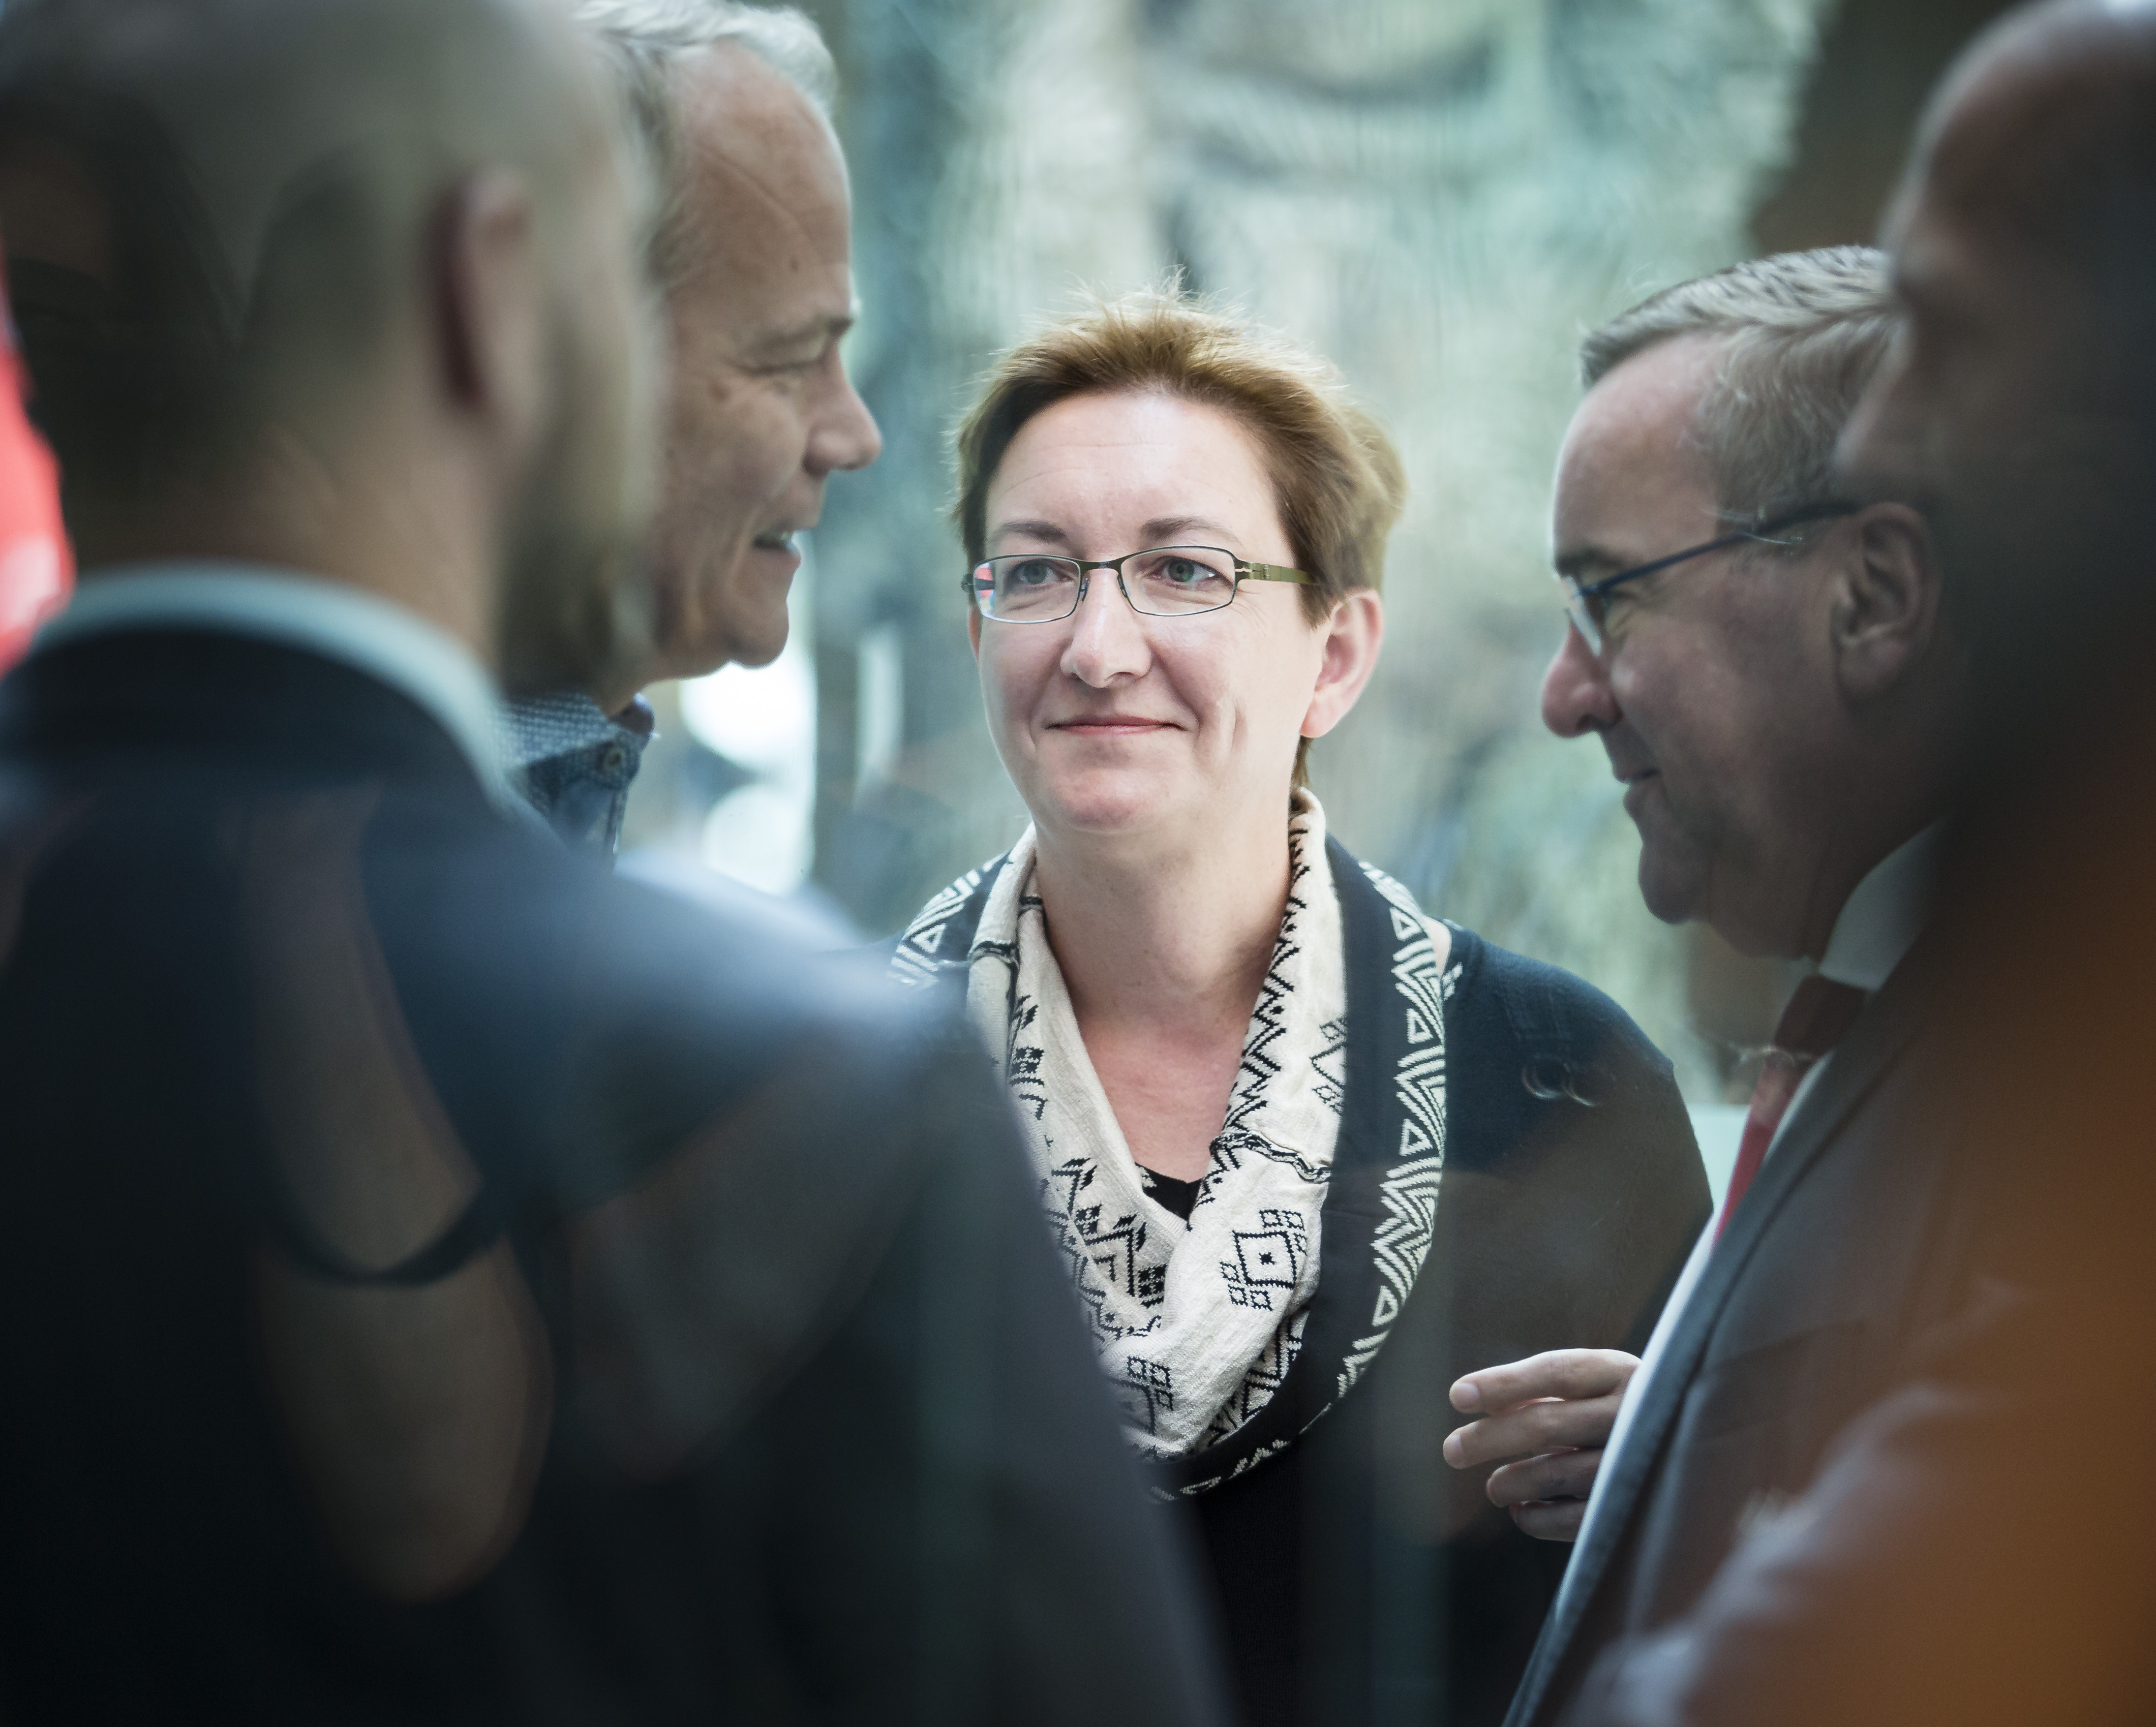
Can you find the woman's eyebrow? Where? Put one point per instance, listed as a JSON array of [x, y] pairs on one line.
[[1162, 530], [1031, 530]]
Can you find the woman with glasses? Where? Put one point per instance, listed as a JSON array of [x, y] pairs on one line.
[[1309, 1154]]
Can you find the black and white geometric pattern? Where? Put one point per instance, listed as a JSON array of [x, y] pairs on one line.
[[1196, 1322], [1410, 1190], [1209, 1410]]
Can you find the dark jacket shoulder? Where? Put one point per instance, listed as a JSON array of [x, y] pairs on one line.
[[1532, 1046]]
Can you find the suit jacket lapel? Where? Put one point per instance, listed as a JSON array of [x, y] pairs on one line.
[[1879, 1036]]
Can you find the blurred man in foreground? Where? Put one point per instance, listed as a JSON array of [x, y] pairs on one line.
[[1765, 659], [1961, 1559], [753, 253], [436, 1282]]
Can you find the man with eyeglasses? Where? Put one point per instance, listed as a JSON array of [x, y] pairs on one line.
[[1767, 660], [1949, 1567]]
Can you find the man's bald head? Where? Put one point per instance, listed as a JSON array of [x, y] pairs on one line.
[[267, 251], [2021, 407], [215, 207], [2044, 137]]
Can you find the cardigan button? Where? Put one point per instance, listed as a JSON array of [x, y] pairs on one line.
[[1546, 1079]]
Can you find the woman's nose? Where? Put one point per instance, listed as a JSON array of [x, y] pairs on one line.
[[1107, 637], [1576, 695]]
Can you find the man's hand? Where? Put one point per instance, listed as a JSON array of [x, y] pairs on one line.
[[1546, 1419]]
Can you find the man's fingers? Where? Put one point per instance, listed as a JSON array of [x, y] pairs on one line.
[[1567, 1475], [1557, 1522], [1555, 1373], [1538, 1428]]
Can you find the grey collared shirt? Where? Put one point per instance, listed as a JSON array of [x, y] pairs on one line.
[[573, 762]]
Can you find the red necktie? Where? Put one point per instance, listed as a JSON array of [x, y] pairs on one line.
[[1812, 1024]]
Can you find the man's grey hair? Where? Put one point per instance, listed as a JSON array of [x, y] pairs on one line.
[[1803, 333], [646, 40]]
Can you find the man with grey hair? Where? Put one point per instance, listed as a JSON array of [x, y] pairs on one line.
[[752, 254], [1938, 1573], [1766, 660]]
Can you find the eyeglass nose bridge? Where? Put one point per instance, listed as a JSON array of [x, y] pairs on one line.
[[1085, 569]]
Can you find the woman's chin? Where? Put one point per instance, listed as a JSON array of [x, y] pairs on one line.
[[1108, 804]]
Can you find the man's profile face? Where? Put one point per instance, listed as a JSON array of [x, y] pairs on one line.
[[762, 410], [1711, 680]]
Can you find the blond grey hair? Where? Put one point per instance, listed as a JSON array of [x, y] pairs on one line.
[[646, 40], [1803, 335]]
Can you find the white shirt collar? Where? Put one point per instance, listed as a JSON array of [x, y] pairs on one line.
[[370, 634], [1884, 915]]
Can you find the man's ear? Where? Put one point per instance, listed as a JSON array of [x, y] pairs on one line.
[[1886, 610], [487, 309], [1354, 635]]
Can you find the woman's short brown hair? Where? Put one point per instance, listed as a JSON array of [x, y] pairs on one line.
[[1337, 479]]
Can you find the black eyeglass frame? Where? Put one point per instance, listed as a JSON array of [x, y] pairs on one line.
[[1245, 571], [1580, 597]]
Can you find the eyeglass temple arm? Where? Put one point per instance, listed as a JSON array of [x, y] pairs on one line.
[[1760, 534]]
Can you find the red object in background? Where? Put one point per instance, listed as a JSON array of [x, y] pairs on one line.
[[37, 567]]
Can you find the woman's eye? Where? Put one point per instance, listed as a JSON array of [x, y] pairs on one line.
[[1031, 573], [1183, 570]]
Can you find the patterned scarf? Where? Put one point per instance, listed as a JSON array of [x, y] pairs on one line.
[[1197, 1325], [1335, 1126]]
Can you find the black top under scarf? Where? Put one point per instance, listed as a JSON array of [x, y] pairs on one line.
[[1170, 1193]]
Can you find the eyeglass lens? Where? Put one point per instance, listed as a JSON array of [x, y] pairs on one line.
[[1585, 611], [1167, 580]]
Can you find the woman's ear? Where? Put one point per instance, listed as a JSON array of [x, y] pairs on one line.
[[1354, 635], [1885, 612], [973, 628]]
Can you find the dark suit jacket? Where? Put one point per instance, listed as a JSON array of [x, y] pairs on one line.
[[1978, 1547], [1845, 1248], [736, 1329]]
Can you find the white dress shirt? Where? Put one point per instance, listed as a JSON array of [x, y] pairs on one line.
[[1879, 924], [356, 628]]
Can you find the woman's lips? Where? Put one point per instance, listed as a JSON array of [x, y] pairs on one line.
[[1112, 728]]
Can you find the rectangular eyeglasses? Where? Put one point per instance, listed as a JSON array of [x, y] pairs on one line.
[[1162, 582], [1587, 603]]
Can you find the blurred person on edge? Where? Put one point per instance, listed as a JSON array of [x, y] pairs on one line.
[[37, 568], [752, 252], [1767, 657], [1968, 1556], [438, 1282], [1310, 1152]]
